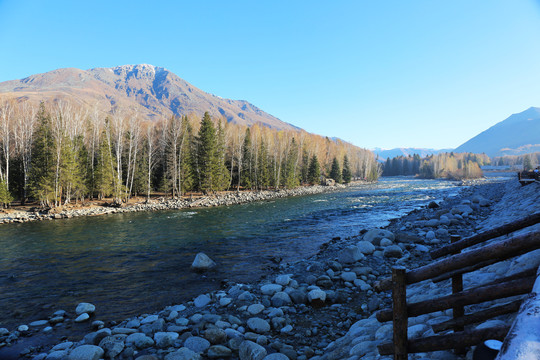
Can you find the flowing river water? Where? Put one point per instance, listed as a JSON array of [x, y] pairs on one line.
[[132, 263]]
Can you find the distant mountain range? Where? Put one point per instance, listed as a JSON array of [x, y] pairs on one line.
[[518, 134], [153, 92], [391, 153]]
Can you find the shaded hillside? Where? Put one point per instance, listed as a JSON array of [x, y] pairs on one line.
[[153, 92], [518, 134]]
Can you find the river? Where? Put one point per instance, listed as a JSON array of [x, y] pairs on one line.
[[133, 263]]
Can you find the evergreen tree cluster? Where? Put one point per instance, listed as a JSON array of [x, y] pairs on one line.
[[64, 154], [451, 165]]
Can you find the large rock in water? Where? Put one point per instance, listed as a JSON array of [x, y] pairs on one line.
[[85, 308], [202, 262]]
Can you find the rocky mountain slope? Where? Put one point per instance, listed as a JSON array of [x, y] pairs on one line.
[[518, 134], [152, 91]]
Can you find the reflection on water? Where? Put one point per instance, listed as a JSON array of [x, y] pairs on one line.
[[132, 263]]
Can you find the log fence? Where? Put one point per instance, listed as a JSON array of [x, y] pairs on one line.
[[453, 267]]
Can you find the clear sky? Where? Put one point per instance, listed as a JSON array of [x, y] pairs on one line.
[[375, 73]]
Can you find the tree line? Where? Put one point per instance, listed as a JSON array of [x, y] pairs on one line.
[[454, 166], [58, 153], [527, 161]]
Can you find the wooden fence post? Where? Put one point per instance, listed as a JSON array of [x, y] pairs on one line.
[[400, 319], [457, 286]]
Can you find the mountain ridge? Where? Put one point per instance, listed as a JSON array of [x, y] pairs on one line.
[[150, 90], [516, 135]]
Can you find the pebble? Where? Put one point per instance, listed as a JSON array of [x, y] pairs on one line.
[[149, 319], [82, 317], [39, 323]]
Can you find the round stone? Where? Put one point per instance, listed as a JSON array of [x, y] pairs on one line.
[[197, 344], [165, 339], [140, 340], [202, 300], [82, 317], [270, 289], [281, 299], [219, 352], [251, 351], [86, 352], [258, 325], [215, 336], [283, 280], [255, 309], [85, 308]]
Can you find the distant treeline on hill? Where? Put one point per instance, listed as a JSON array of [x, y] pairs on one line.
[[528, 161], [451, 165], [57, 153]]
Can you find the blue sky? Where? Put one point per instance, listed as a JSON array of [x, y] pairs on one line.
[[375, 73]]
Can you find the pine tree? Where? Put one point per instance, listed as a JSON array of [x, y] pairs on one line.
[[222, 174], [41, 179], [186, 160], [527, 163], [105, 174], [5, 196], [290, 178], [246, 179], [72, 169], [305, 166], [263, 168], [314, 172], [335, 171], [346, 173], [207, 157]]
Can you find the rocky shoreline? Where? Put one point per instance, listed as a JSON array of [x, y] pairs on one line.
[[227, 199], [317, 308]]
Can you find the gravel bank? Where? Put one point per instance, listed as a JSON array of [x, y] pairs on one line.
[[227, 199]]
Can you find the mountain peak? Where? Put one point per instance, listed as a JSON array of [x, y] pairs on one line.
[[150, 90]]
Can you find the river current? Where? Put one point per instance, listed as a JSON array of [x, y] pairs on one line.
[[132, 263]]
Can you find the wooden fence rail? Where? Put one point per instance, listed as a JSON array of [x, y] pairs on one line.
[[486, 235], [453, 267]]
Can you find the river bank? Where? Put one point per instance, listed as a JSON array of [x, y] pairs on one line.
[[221, 199], [320, 307]]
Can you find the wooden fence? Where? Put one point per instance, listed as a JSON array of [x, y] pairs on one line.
[[453, 267]]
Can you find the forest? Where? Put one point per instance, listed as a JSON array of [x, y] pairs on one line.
[[58, 153], [453, 166]]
